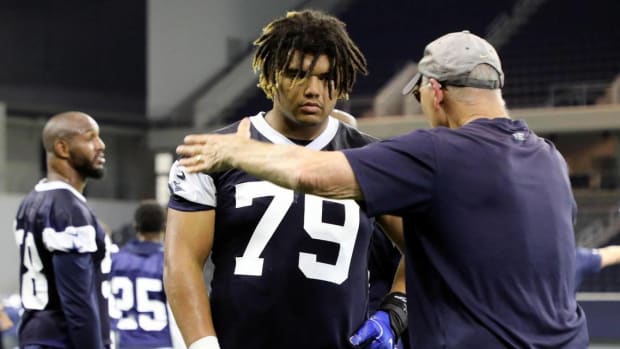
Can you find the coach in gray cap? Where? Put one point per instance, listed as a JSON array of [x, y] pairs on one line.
[[464, 75], [486, 204]]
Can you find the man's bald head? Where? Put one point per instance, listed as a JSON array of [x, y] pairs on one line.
[[63, 125]]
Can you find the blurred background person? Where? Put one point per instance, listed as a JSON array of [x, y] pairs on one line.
[[138, 307], [62, 244]]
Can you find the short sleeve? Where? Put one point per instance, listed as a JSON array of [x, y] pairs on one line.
[[190, 191], [395, 175]]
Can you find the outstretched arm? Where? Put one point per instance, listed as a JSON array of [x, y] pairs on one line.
[[610, 255], [323, 173]]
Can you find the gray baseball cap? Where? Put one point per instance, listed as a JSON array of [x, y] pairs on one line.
[[452, 57]]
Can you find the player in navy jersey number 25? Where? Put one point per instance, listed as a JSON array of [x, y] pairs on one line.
[[138, 306], [62, 245], [291, 270]]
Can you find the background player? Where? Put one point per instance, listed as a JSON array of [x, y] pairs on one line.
[[344, 117], [61, 243], [291, 270], [139, 305]]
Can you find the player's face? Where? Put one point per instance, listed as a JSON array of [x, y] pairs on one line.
[[87, 150], [305, 100]]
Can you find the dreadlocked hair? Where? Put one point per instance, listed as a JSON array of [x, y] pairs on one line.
[[313, 33]]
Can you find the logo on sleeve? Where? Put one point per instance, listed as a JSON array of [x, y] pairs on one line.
[[181, 175], [177, 187]]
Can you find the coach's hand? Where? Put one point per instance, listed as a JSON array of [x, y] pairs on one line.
[[208, 152], [375, 333]]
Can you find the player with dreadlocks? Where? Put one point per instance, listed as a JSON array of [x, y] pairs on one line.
[[291, 270]]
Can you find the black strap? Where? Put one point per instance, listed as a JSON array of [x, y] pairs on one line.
[[395, 304]]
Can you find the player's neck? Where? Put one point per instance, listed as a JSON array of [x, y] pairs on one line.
[[151, 237], [291, 129], [61, 171]]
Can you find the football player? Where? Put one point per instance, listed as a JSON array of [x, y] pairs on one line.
[[291, 270], [62, 244]]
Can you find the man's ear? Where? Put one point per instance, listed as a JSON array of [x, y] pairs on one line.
[[62, 148], [437, 93]]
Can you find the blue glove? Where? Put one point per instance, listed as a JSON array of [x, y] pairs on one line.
[[376, 333]]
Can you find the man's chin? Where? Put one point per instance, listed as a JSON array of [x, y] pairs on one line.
[[95, 173], [311, 119]]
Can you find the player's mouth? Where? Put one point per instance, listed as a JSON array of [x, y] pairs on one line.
[[311, 108], [100, 159]]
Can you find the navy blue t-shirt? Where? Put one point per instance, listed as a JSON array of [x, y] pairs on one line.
[[139, 304], [487, 211], [62, 247], [291, 270]]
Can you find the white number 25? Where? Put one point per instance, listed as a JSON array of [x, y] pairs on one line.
[[250, 263], [152, 313]]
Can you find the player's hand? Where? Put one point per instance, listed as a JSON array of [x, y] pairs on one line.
[[207, 152], [375, 333]]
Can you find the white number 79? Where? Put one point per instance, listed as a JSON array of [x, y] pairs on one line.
[[250, 263]]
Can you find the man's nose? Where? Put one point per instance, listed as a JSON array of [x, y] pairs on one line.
[[313, 86]]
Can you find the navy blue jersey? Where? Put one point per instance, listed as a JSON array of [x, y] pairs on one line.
[[588, 262], [291, 270], [138, 305], [61, 249], [487, 211]]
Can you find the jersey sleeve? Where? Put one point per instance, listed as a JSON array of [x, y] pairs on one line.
[[190, 191], [587, 262], [69, 228], [76, 286], [396, 174]]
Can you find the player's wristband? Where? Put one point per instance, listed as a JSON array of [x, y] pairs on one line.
[[395, 304], [209, 342]]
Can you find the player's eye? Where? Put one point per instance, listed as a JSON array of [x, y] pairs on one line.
[[292, 73]]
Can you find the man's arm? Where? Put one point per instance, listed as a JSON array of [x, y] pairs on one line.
[[395, 301], [610, 255], [76, 283], [188, 242], [5, 321], [288, 166], [393, 227], [384, 327], [175, 334]]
